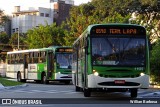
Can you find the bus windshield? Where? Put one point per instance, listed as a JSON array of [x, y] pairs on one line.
[[64, 60], [118, 51]]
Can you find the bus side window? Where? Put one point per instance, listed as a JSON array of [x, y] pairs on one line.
[[9, 59], [21, 58], [30, 57], [43, 57], [35, 57], [17, 58], [12, 58]]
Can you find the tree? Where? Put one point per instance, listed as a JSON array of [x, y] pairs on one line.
[[4, 39], [155, 63], [96, 12], [80, 17], [3, 18], [45, 36], [13, 41], [3, 44]]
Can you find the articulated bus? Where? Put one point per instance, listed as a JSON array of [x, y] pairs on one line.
[[111, 57], [42, 65]]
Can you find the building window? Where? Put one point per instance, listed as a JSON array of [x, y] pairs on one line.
[[46, 15], [16, 29], [41, 14], [13, 30]]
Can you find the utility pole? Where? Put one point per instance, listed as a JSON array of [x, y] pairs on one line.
[[18, 37]]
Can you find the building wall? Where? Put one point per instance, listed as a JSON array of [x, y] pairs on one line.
[[25, 21], [61, 11]]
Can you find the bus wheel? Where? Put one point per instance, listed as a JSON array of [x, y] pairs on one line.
[[24, 80], [19, 77], [37, 81], [87, 92], [78, 89], [134, 93], [44, 79], [67, 82]]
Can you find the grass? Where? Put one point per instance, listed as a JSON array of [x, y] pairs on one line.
[[6, 82]]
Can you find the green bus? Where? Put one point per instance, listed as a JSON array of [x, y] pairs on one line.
[[42, 65], [111, 57]]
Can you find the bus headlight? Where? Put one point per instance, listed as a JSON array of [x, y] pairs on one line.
[[95, 73], [142, 74]]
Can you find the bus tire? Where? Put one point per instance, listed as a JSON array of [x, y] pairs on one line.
[[134, 93], [87, 92], [19, 77], [24, 80], [67, 82], [78, 89], [44, 79], [37, 81]]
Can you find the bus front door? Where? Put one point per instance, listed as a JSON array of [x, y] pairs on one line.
[[26, 56], [50, 65]]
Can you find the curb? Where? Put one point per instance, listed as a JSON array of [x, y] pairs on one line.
[[154, 86], [12, 87], [1, 86]]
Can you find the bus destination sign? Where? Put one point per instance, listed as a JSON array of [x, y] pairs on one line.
[[64, 50], [118, 31]]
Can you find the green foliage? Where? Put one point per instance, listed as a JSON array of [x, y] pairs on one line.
[[117, 18], [6, 82], [3, 18], [98, 11], [3, 44], [45, 36], [155, 62], [4, 39], [13, 41]]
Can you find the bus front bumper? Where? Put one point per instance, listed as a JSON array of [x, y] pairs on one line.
[[102, 82]]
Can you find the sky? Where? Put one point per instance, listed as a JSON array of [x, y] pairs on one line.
[[8, 5]]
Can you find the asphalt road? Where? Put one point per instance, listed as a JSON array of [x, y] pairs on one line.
[[58, 94]]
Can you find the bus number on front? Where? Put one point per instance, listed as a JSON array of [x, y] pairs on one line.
[[100, 30]]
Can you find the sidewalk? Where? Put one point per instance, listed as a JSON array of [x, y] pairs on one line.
[[9, 87], [1, 86], [154, 86]]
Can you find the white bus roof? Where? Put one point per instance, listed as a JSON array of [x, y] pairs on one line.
[[30, 50]]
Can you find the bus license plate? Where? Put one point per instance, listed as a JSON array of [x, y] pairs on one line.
[[119, 81]]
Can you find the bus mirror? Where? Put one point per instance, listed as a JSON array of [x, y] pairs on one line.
[[86, 46], [58, 65], [86, 43]]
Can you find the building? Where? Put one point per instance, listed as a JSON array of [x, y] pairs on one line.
[[61, 10], [24, 20]]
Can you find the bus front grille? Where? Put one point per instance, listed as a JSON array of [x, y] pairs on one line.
[[118, 76], [114, 84]]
